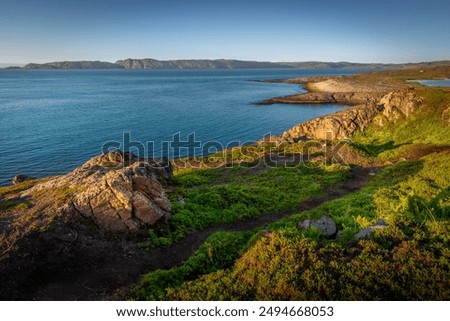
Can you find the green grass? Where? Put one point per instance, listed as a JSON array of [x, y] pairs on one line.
[[9, 190], [348, 212], [219, 251], [408, 260], [286, 266], [214, 197], [14, 204], [424, 127]]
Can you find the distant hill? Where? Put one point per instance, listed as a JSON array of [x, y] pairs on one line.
[[74, 65], [149, 63], [195, 64]]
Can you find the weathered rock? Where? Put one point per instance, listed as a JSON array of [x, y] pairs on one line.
[[340, 125], [72, 218], [325, 225], [347, 98], [344, 123], [21, 178], [125, 199], [396, 105], [364, 234], [118, 191], [368, 232]]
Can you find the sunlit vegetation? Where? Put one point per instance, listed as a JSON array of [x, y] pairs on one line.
[[203, 198], [407, 260]]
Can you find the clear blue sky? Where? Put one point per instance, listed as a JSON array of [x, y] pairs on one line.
[[278, 30]]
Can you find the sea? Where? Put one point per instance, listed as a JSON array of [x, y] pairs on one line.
[[434, 83], [52, 121]]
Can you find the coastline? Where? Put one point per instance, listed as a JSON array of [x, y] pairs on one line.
[[371, 97], [94, 232]]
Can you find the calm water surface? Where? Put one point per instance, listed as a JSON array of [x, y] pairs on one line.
[[52, 121], [434, 83]]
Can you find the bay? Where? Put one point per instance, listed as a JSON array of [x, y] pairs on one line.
[[52, 121]]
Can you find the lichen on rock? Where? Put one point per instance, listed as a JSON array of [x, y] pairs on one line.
[[118, 191]]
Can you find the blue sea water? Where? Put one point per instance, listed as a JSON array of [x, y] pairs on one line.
[[52, 121], [434, 83]]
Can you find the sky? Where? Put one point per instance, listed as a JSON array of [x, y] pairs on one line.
[[280, 30]]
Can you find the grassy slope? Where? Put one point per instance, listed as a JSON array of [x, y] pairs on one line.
[[410, 259], [222, 195]]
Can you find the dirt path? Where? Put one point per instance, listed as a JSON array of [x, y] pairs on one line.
[[110, 274]]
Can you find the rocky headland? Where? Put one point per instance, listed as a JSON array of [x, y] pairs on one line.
[[369, 102]]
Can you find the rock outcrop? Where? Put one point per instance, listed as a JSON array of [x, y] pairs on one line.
[[347, 98], [397, 105], [118, 192], [339, 125], [344, 123], [74, 222]]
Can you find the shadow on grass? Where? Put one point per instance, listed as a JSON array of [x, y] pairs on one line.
[[374, 150]]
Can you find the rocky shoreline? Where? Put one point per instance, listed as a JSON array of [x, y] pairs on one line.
[[87, 223], [380, 102]]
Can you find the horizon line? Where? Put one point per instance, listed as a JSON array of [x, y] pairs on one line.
[[11, 64]]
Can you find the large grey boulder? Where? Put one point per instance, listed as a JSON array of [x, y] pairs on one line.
[[325, 225]]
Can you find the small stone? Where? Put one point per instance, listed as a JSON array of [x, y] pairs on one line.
[[367, 232], [364, 234], [325, 225]]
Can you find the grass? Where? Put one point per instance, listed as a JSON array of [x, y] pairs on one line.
[[13, 189], [409, 260], [15, 204], [219, 251], [214, 197], [424, 127], [401, 76], [348, 212]]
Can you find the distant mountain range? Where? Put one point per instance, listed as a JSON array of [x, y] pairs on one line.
[[214, 64]]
